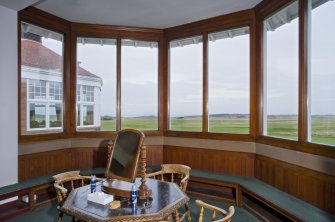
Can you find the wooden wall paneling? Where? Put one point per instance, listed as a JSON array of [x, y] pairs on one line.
[[235, 163], [156, 155], [311, 186], [45, 163]]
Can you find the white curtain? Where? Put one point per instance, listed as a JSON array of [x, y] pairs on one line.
[[186, 41], [231, 33], [29, 28], [134, 43], [287, 14], [96, 41]]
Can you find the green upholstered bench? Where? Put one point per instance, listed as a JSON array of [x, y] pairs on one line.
[[282, 202], [31, 186]]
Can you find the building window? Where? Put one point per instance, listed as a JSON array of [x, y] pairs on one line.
[[85, 107], [228, 81], [280, 79], [44, 113], [88, 93], [185, 70], [96, 84], [322, 73], [139, 85], [41, 80]]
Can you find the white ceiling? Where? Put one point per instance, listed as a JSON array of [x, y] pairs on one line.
[[142, 13]]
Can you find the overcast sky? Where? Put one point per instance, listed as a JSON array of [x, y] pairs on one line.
[[228, 71]]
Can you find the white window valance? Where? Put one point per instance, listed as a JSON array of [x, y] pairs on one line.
[[186, 41], [287, 14], [29, 28], [228, 34], [96, 41], [135, 43]]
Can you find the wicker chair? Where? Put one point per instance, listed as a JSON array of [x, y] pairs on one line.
[[179, 174], [215, 210], [64, 183]]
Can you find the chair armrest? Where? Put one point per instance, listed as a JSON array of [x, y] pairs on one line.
[[60, 188], [154, 174], [210, 207], [183, 181]]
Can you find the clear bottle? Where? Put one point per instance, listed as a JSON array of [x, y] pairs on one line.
[[93, 183], [133, 194]]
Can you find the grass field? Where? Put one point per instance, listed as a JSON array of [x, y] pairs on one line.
[[323, 127]]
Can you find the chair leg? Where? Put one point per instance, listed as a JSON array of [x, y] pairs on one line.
[[188, 212], [60, 216], [177, 216]]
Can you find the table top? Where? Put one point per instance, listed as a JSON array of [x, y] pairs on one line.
[[165, 199]]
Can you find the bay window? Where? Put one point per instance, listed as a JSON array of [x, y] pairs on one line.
[[280, 77], [185, 105], [41, 80]]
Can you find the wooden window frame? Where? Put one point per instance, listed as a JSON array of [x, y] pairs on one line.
[[71, 31], [244, 18], [252, 18], [263, 10]]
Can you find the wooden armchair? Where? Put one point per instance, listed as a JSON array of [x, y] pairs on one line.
[[64, 183], [215, 210], [179, 174]]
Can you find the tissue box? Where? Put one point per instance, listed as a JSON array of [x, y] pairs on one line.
[[100, 198]]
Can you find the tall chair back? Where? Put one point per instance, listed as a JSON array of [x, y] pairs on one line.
[[225, 216], [179, 174]]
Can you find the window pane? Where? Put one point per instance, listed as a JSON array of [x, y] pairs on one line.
[[228, 81], [41, 80], [186, 84], [139, 85], [88, 115], [55, 115], [322, 73], [37, 116], [96, 83], [280, 103]]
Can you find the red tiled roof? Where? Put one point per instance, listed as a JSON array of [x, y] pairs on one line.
[[36, 55]]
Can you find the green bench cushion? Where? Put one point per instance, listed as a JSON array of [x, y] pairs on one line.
[[285, 201], [26, 184], [216, 176], [48, 179]]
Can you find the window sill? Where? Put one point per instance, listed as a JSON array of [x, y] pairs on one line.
[[209, 135], [306, 147]]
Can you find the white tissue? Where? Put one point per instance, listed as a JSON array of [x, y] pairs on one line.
[[100, 198]]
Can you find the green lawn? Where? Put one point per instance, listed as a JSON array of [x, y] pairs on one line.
[[126, 123], [283, 127], [323, 127]]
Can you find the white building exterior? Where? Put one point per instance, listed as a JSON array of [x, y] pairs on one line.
[[43, 106]]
